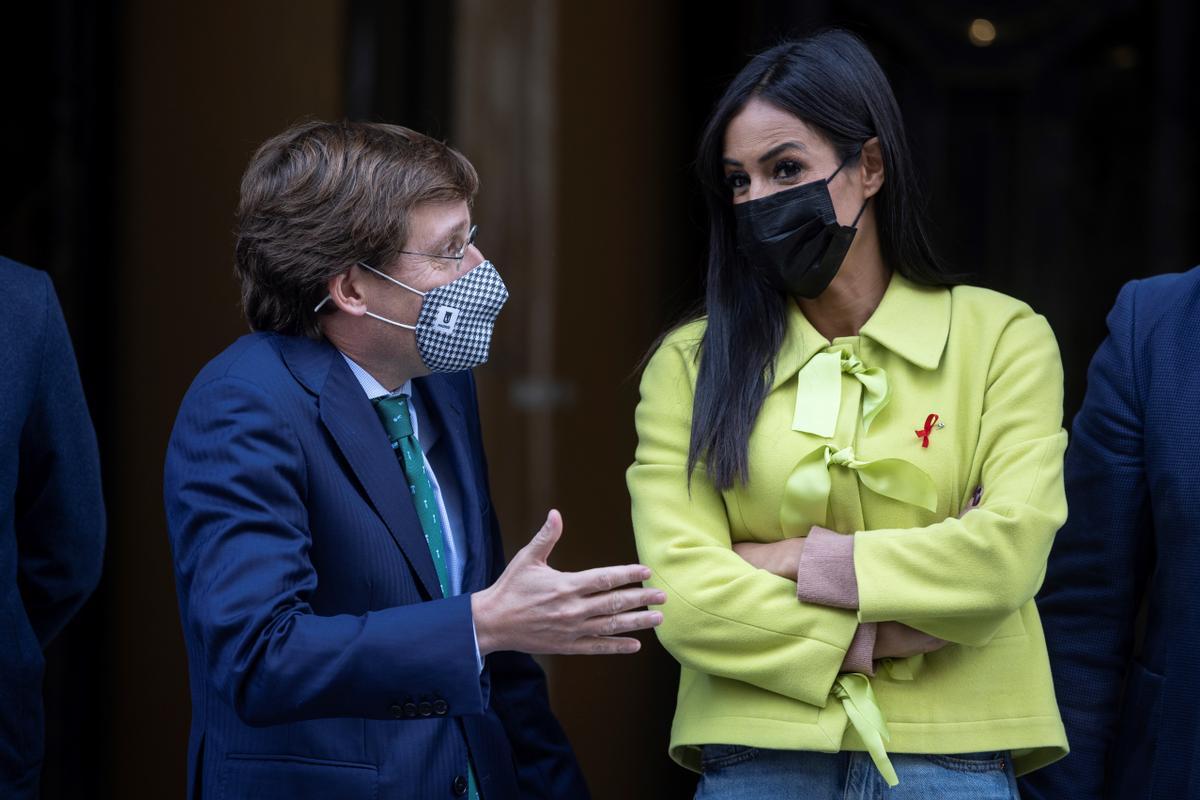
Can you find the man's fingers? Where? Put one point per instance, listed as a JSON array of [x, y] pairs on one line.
[[543, 541], [604, 645], [608, 603], [623, 623], [604, 579]]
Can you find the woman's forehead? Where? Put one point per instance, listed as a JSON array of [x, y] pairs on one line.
[[761, 126]]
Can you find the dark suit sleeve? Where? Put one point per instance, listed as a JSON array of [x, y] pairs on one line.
[[1098, 567], [59, 505], [545, 762], [236, 481]]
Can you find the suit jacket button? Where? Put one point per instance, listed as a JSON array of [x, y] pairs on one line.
[[410, 709], [459, 786], [425, 709], [440, 708], [397, 712]]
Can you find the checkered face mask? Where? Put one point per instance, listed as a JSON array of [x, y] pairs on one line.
[[454, 329]]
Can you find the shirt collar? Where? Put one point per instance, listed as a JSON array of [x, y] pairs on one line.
[[912, 321], [372, 387]]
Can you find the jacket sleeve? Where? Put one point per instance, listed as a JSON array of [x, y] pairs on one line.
[[545, 763], [59, 506], [1099, 566], [960, 579], [235, 489], [722, 617]]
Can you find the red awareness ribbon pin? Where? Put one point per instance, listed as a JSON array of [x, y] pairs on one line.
[[924, 433]]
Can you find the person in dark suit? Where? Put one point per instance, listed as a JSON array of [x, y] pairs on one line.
[[351, 626], [51, 509], [1130, 691]]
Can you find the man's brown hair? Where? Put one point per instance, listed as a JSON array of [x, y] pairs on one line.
[[322, 196]]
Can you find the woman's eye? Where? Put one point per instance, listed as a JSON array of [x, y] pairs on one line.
[[737, 180], [788, 169]]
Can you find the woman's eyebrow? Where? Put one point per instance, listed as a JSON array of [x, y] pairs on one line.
[[779, 148], [767, 156]]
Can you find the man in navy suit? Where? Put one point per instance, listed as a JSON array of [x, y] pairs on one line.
[[1121, 602], [352, 629], [51, 509]]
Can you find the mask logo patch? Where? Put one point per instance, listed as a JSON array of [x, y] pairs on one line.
[[446, 319]]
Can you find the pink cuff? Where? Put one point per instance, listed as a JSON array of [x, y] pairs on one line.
[[826, 574], [862, 648]]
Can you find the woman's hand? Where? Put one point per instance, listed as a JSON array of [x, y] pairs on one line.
[[780, 558], [897, 640]]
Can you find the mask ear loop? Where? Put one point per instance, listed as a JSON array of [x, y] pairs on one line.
[[390, 321], [390, 278], [365, 265], [845, 161], [858, 216]]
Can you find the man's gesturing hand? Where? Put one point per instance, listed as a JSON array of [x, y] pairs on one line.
[[534, 608]]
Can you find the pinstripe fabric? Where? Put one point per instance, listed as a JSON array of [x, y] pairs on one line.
[[51, 509], [319, 661], [1133, 484]]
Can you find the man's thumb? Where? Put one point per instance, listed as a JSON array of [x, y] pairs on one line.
[[544, 540]]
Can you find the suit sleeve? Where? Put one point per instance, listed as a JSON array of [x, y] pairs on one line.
[[59, 505], [235, 492], [960, 579], [1099, 566], [545, 763], [723, 617]]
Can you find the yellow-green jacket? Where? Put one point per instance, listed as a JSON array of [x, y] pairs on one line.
[[757, 665]]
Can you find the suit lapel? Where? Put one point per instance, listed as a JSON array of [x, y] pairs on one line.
[[350, 419], [439, 398]]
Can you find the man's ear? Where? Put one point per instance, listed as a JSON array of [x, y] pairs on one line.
[[346, 291], [870, 166]]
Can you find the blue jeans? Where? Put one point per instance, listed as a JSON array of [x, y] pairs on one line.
[[734, 772]]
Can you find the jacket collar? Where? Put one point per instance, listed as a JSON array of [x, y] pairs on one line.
[[351, 421], [912, 321]]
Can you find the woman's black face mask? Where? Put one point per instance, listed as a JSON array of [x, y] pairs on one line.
[[793, 236]]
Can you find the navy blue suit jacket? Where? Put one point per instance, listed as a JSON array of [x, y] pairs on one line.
[[1131, 708], [51, 509], [324, 662]]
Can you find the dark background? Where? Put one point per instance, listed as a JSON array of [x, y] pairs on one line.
[[1059, 161]]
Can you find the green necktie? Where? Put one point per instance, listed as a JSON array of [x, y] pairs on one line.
[[393, 413]]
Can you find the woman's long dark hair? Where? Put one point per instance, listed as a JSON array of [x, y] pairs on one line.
[[830, 81]]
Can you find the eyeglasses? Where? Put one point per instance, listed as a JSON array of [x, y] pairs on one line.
[[458, 256]]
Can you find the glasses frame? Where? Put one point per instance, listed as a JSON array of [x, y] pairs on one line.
[[462, 252]]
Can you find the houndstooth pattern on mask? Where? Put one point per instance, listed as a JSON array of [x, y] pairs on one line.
[[454, 330]]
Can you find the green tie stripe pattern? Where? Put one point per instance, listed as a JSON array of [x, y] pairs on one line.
[[394, 414]]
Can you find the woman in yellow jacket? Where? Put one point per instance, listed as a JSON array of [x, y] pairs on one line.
[[849, 471]]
